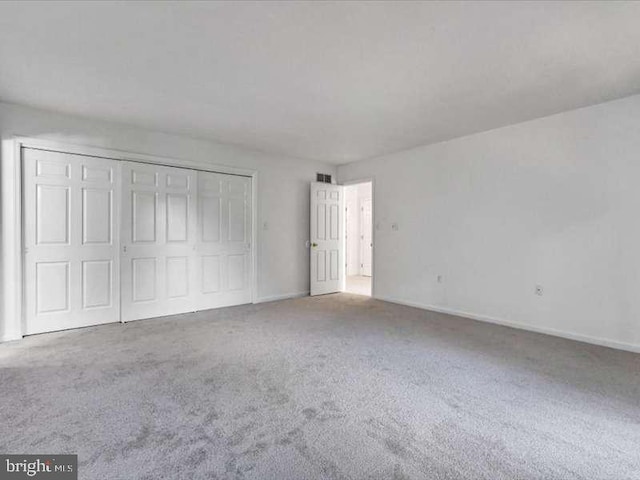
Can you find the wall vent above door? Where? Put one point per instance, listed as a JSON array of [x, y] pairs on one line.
[[323, 178]]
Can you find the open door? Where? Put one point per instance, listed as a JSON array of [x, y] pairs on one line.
[[327, 238]]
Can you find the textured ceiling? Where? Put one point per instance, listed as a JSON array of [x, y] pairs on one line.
[[331, 81]]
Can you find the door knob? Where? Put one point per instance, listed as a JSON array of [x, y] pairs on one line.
[[314, 244]]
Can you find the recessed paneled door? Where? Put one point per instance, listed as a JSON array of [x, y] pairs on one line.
[[71, 240], [327, 238], [158, 240]]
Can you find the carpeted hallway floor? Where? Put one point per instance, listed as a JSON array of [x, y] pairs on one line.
[[331, 387], [358, 285]]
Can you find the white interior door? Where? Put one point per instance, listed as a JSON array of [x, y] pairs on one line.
[[71, 241], [223, 238], [366, 233], [158, 240], [327, 238]]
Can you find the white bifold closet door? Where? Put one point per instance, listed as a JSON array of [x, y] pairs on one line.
[[158, 240], [185, 240], [223, 242], [70, 241], [108, 240]]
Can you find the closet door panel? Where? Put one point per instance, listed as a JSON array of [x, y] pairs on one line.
[[158, 244], [71, 240], [224, 240]]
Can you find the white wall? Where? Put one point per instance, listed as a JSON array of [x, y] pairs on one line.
[[283, 190], [554, 202]]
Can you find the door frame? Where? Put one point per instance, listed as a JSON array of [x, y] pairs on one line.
[[12, 199], [360, 229], [371, 180]]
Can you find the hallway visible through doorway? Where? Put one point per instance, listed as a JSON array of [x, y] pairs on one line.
[[359, 238], [358, 284]]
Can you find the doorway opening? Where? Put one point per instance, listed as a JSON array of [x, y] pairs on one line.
[[358, 238]]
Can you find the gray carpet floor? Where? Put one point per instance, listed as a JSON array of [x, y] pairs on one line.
[[335, 387]]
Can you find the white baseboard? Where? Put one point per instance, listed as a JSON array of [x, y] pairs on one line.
[[272, 298], [604, 342], [10, 337], [286, 296]]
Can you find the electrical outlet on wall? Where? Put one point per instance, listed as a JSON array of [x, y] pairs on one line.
[[539, 290], [440, 279]]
